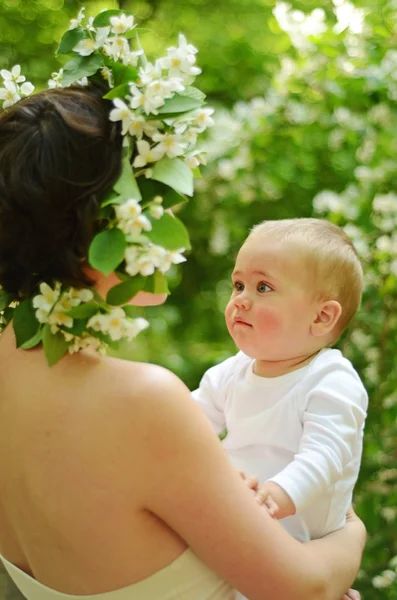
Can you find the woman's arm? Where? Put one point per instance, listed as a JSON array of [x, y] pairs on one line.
[[193, 488]]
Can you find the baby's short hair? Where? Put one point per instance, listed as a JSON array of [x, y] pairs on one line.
[[335, 269]]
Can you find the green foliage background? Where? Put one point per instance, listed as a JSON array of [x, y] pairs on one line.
[[304, 128]]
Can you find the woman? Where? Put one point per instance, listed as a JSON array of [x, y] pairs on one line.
[[112, 484]]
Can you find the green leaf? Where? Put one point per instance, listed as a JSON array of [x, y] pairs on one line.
[[179, 104], [150, 188], [69, 40], [54, 344], [34, 341], [103, 19], [107, 250], [130, 311], [25, 322], [126, 184], [157, 283], [123, 292], [174, 173], [81, 66], [78, 327], [194, 93], [112, 198], [169, 232], [121, 91], [84, 311], [5, 299]]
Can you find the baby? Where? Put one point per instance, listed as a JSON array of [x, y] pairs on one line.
[[293, 407]]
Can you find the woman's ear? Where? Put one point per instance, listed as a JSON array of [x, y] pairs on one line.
[[327, 316]]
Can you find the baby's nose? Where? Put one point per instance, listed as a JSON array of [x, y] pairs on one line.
[[243, 300]]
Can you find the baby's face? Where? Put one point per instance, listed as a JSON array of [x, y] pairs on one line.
[[272, 306]]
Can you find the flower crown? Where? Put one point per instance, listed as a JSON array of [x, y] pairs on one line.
[[161, 118]]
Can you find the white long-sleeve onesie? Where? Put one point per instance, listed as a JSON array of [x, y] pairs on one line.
[[302, 430]]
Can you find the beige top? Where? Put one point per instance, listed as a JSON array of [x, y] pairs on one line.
[[186, 578]]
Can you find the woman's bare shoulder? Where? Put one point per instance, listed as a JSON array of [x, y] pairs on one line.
[[136, 386]]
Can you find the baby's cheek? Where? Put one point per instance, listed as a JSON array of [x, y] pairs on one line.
[[270, 322]]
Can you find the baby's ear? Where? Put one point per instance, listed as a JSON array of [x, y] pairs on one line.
[[327, 316]]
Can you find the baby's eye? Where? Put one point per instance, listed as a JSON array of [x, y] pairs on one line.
[[238, 286], [263, 287]]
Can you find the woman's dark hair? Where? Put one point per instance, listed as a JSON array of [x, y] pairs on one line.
[[59, 155]]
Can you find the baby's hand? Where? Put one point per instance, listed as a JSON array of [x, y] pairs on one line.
[[263, 499], [250, 481], [285, 506], [352, 595]]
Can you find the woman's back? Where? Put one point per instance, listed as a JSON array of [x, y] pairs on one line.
[[71, 483]]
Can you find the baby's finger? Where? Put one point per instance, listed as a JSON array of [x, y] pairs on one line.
[[352, 595], [272, 506], [252, 482]]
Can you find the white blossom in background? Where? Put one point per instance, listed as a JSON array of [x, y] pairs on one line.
[[384, 580], [300, 26], [349, 17]]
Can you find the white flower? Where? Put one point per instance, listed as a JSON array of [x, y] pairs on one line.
[[172, 258], [75, 23], [143, 261], [83, 295], [134, 227], [131, 57], [47, 298], [87, 46], [9, 93], [98, 322], [58, 318], [133, 328], [164, 88], [147, 102], [146, 154], [180, 61], [156, 211], [117, 47], [56, 79], [114, 324], [139, 126], [122, 23], [108, 76], [195, 159], [121, 113], [149, 73], [14, 75], [26, 88], [128, 210], [42, 315], [203, 119], [169, 144]]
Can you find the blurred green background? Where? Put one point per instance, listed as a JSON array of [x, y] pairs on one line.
[[306, 125]]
